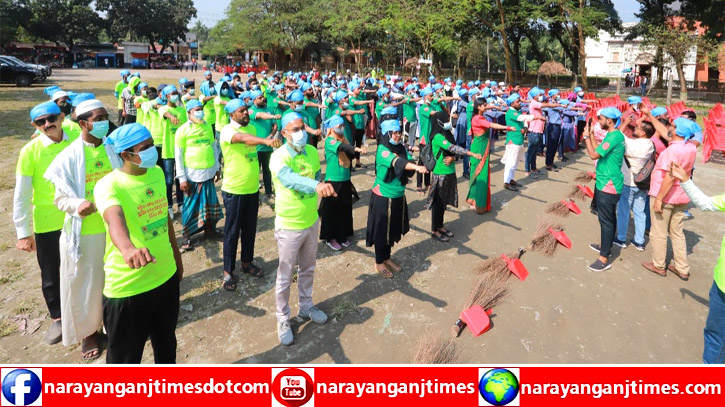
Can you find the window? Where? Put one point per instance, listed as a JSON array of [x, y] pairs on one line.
[[615, 56]]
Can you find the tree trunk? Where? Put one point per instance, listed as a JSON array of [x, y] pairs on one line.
[[516, 57], [659, 62], [683, 82], [582, 50], [504, 38]]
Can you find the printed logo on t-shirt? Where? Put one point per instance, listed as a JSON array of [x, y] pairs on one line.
[[386, 154], [332, 142], [149, 192], [99, 164], [605, 145]]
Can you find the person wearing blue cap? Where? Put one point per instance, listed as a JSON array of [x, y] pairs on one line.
[[120, 86], [33, 199], [240, 190], [74, 172], [410, 117], [70, 123], [536, 130], [297, 105], [196, 163], [553, 131], [208, 93], [295, 171], [265, 125], [388, 218], [341, 108], [188, 92], [336, 211], [609, 181], [668, 202], [514, 141], [127, 95], [139, 100], [171, 116], [358, 102], [425, 110], [224, 93], [142, 261], [313, 110]]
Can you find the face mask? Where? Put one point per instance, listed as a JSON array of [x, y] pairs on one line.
[[174, 98], [540, 98], [393, 142], [299, 108], [198, 114], [299, 139], [338, 130], [192, 91], [66, 109], [144, 93], [225, 92], [447, 126], [255, 87], [580, 93], [148, 157], [100, 129]]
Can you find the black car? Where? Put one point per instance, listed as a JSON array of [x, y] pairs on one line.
[[21, 75], [45, 70]]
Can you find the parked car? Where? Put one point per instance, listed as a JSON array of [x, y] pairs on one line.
[[44, 69], [21, 75], [11, 60]]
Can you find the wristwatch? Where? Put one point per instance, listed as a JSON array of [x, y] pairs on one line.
[[585, 137]]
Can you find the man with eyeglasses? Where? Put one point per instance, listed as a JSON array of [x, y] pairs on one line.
[[33, 198]]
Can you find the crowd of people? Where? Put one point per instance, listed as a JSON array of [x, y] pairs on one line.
[[101, 195]]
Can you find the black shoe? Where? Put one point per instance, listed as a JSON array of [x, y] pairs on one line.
[[599, 266], [564, 159], [510, 187], [623, 245], [597, 248]]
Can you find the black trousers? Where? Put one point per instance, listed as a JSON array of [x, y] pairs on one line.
[[264, 157], [553, 137], [359, 134], [48, 251], [129, 119], [120, 118], [420, 178], [241, 212], [607, 214], [130, 321], [382, 253], [438, 209]]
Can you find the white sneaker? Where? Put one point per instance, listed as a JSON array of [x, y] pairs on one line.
[[315, 314], [171, 213], [284, 333]]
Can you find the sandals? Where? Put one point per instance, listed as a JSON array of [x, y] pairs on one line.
[[252, 270], [214, 234], [90, 348], [385, 273], [420, 191], [392, 266], [229, 282], [681, 276], [185, 245], [445, 232], [441, 238]]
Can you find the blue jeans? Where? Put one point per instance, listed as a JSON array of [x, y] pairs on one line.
[[534, 145], [714, 351], [168, 168], [635, 199], [466, 159]]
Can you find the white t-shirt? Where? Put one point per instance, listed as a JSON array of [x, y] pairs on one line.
[[637, 151]]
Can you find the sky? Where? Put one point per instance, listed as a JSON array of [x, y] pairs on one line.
[[211, 11]]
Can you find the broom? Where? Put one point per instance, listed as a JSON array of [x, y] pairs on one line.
[[497, 266], [577, 192], [487, 292], [434, 349], [585, 176], [559, 209], [544, 241]]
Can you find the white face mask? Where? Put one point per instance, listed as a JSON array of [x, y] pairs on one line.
[[580, 93], [447, 126], [540, 98], [299, 139], [299, 108]]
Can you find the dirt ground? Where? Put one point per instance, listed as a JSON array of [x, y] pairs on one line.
[[562, 313]]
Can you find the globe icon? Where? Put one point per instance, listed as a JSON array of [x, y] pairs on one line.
[[499, 387]]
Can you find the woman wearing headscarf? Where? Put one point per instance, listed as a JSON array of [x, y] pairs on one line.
[[443, 186], [388, 218], [336, 211], [479, 192]]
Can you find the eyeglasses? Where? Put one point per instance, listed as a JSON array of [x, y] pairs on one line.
[[50, 119]]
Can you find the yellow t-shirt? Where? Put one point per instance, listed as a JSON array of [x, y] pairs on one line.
[[35, 158], [241, 165], [97, 166], [295, 210], [143, 201]]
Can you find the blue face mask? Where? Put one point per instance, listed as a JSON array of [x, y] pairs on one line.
[[393, 142], [148, 157], [198, 114], [338, 130], [100, 129]]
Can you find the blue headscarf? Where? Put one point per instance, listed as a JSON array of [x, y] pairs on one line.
[[43, 109], [192, 104], [511, 99], [289, 117], [389, 125], [233, 105], [127, 136], [333, 121]]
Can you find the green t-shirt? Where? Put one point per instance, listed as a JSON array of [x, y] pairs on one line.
[[97, 166], [120, 86], [71, 128], [295, 210], [168, 129], [609, 166], [409, 110], [209, 111], [153, 123], [514, 136], [437, 105], [222, 118], [358, 119], [197, 141], [313, 114], [424, 123], [440, 143], [719, 273], [35, 158], [346, 124], [379, 106], [334, 171], [329, 108], [241, 165], [143, 201], [383, 161], [263, 126], [140, 113]]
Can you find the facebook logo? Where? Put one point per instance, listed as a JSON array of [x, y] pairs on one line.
[[21, 387]]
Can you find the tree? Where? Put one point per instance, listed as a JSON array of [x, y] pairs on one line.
[[653, 13], [353, 23], [201, 31], [677, 41], [153, 21], [63, 21], [710, 15], [13, 16]]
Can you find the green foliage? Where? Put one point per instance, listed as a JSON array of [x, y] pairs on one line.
[[710, 13], [63, 21], [13, 16]]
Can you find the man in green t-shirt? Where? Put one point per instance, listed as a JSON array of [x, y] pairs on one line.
[[118, 93], [240, 189], [143, 265], [358, 100], [295, 171], [514, 141], [265, 123], [33, 199], [608, 189], [171, 115], [74, 173]]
